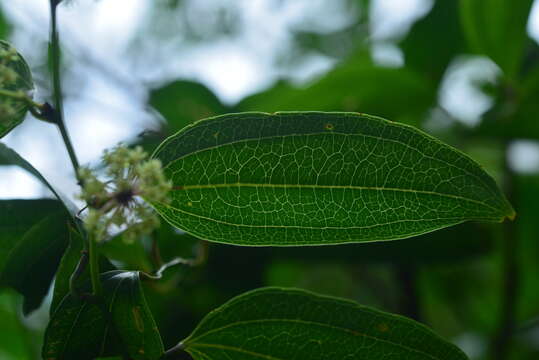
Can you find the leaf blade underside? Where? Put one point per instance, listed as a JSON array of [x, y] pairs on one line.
[[279, 324], [289, 179]]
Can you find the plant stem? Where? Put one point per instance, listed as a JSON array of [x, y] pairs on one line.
[[94, 265], [57, 87], [501, 342], [56, 115]]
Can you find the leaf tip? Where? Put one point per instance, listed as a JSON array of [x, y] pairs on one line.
[[510, 215]]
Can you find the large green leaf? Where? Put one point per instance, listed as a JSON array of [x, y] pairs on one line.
[[274, 323], [21, 83], [9, 156], [319, 178], [79, 329], [497, 28], [32, 240]]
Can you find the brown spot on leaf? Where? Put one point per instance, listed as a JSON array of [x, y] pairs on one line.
[[138, 319]]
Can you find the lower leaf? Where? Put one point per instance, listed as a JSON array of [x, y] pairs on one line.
[[286, 324], [122, 325]]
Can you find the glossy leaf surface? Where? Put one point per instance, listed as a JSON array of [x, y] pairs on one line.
[[79, 329], [12, 111], [274, 323], [131, 316], [310, 178]]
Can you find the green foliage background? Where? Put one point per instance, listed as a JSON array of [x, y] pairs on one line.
[[460, 281]]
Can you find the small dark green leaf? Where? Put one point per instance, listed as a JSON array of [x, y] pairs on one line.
[[79, 329], [30, 252], [13, 111], [274, 323], [311, 178], [9, 156], [497, 29], [131, 316]]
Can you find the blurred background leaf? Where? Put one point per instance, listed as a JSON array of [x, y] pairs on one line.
[[357, 85], [183, 102], [497, 29]]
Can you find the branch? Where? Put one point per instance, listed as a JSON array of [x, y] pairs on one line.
[[57, 86]]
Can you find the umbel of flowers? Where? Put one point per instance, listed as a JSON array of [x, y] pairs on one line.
[[8, 79], [132, 180]]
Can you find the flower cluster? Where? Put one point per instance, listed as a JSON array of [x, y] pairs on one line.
[[8, 109], [8, 79], [119, 201]]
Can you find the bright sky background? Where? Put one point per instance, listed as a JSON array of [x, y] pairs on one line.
[[103, 107]]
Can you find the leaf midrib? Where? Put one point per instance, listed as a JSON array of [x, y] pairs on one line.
[[345, 187], [70, 333], [425, 136], [108, 323], [298, 321], [461, 218]]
